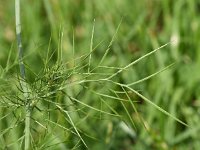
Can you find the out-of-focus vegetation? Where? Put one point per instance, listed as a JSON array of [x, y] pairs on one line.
[[129, 29]]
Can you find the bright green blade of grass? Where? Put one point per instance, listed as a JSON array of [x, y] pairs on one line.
[[91, 47], [156, 106], [110, 44], [138, 60], [98, 110], [72, 123], [126, 110], [150, 76]]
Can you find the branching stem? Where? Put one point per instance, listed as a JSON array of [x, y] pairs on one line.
[[22, 74]]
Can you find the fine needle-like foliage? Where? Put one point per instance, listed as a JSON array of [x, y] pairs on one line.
[[65, 98]]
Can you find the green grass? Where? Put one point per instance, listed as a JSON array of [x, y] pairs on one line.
[[95, 77]]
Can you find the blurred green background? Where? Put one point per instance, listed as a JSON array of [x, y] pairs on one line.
[[144, 26]]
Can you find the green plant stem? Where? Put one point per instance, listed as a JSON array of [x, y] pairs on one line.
[[27, 128], [22, 73], [19, 40]]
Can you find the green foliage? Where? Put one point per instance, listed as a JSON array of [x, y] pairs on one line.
[[103, 84]]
